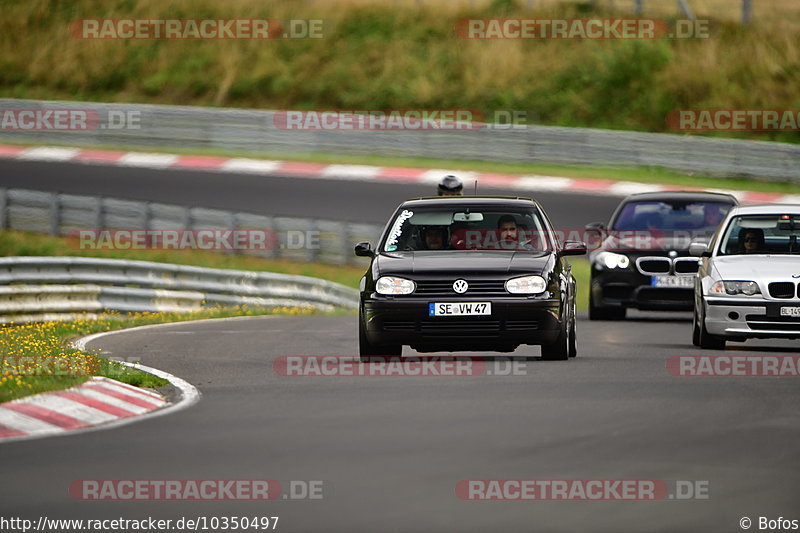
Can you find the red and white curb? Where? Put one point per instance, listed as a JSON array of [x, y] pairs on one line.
[[536, 183], [98, 401]]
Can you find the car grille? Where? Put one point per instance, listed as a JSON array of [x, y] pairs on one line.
[[460, 327], [686, 265], [782, 289], [476, 287], [767, 323], [655, 266]]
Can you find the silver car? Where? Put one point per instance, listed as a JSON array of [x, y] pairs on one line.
[[748, 284]]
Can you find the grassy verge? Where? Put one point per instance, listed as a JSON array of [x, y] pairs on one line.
[[37, 357], [407, 55], [652, 175], [14, 243]]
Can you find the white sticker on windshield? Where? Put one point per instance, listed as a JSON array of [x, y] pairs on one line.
[[397, 229]]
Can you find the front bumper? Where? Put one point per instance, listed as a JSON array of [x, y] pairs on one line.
[[514, 321], [633, 289], [751, 318]]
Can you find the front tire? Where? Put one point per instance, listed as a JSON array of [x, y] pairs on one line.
[[369, 352], [560, 349], [706, 340], [573, 338]]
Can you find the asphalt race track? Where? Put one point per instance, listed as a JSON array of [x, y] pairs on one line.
[[390, 450], [304, 197]]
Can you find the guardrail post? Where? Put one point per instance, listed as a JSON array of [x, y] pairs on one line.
[[55, 212], [186, 219], [98, 214], [639, 6], [345, 243], [233, 223], [687, 11], [3, 208], [747, 11], [147, 215], [312, 236]]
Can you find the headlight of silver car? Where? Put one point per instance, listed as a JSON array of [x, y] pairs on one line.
[[391, 285], [526, 285], [733, 288], [612, 260]]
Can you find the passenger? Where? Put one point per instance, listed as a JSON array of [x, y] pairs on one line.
[[434, 237]]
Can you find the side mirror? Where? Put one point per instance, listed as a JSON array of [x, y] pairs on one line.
[[699, 249], [573, 248], [364, 249]]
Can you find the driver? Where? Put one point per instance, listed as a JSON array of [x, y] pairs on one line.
[[751, 240], [511, 237]]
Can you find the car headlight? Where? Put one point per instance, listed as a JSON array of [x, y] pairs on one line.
[[732, 288], [391, 285], [526, 285], [612, 260]]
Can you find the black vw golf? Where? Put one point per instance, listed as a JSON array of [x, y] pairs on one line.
[[468, 273]]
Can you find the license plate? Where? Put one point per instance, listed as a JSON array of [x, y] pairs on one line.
[[460, 309], [790, 311], [683, 282]]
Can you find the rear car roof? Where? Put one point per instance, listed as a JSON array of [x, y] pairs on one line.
[[696, 196], [455, 201]]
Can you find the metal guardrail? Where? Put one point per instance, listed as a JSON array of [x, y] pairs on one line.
[[255, 130], [323, 241], [44, 288]]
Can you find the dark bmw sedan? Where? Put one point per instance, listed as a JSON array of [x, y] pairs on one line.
[[467, 274], [643, 260]]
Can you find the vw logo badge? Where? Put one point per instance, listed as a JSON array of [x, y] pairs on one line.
[[460, 286]]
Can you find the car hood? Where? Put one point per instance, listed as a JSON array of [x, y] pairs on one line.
[[757, 267], [461, 261]]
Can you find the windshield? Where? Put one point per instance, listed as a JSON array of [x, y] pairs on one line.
[[762, 234], [696, 217], [466, 228]]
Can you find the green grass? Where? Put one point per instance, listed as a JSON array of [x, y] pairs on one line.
[[406, 55], [38, 357], [20, 243], [54, 365], [580, 269]]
